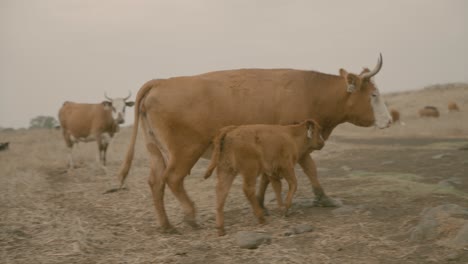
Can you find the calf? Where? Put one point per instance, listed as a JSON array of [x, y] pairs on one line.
[[92, 122], [251, 150]]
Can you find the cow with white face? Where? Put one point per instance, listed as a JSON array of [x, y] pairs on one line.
[[92, 122], [180, 116]]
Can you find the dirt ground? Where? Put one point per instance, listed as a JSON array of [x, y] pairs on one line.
[[384, 178]]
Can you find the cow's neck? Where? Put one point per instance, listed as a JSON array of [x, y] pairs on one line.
[[330, 109]]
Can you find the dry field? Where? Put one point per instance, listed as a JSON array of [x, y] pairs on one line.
[[384, 178]]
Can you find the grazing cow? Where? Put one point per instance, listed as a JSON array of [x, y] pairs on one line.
[[251, 150], [453, 107], [395, 115], [89, 122], [429, 111], [4, 145], [181, 115]]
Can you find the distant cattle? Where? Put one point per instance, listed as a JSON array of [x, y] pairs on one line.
[[453, 107], [92, 122], [253, 150], [4, 145], [395, 115], [429, 111]]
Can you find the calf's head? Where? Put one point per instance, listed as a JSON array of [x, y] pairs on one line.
[[314, 133], [117, 107], [364, 104]]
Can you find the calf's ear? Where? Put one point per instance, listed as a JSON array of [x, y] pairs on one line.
[[353, 82], [129, 104]]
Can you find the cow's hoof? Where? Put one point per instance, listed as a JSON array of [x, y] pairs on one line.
[[221, 232], [326, 201], [266, 212]]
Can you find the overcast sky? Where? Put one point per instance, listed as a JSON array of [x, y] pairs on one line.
[[57, 50]]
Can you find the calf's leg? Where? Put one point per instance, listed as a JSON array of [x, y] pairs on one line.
[[290, 177], [250, 178], [223, 185]]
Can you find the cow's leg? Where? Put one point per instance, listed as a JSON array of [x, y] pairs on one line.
[[290, 177], [264, 181], [223, 185], [250, 179], [157, 184], [69, 143], [175, 173], [310, 169], [105, 140], [71, 164]]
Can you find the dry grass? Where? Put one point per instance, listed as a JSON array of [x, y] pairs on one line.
[[51, 215]]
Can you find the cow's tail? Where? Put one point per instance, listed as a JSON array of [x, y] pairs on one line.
[[217, 148], [131, 149]]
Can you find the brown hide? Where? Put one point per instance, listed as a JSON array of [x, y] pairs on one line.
[[453, 107], [181, 115], [84, 120], [395, 115], [429, 111], [252, 150]]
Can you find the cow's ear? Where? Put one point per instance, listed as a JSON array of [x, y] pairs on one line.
[[353, 82], [107, 105], [129, 104]]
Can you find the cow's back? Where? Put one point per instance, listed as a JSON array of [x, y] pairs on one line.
[[205, 103]]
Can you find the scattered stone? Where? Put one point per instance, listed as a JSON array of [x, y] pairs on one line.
[[304, 228], [439, 156], [388, 162], [438, 221], [300, 229], [344, 210], [346, 168], [461, 239], [201, 246], [451, 182], [251, 240]]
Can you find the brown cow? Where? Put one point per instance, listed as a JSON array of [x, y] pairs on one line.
[[395, 115], [181, 115], [453, 107], [89, 122], [429, 111], [4, 145], [251, 150]]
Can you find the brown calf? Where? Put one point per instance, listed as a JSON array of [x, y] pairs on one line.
[[453, 107], [429, 111], [251, 150]]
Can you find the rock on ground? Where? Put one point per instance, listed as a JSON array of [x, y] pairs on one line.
[[252, 240]]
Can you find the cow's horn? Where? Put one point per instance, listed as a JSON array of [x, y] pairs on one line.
[[129, 94], [107, 97], [375, 70]]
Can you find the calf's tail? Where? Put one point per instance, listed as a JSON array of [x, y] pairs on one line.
[[131, 149], [217, 148]]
